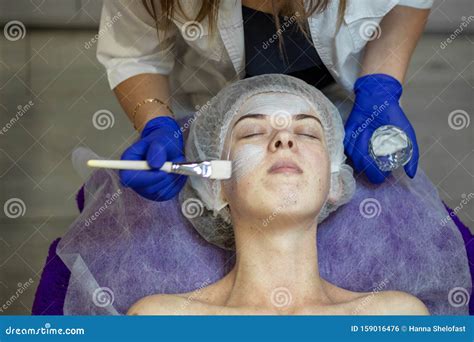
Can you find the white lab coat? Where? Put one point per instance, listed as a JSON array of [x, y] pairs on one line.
[[199, 66]]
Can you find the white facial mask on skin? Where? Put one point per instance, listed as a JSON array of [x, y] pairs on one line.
[[276, 104], [281, 106], [246, 159]]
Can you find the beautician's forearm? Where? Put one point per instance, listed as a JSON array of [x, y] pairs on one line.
[[140, 87], [400, 31]]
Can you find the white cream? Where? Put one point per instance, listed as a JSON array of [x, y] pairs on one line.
[[246, 159], [276, 103], [384, 145]]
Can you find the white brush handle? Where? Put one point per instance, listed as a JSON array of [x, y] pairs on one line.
[[125, 164], [213, 169]]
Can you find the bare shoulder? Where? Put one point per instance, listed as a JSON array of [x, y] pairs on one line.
[[202, 301], [159, 304], [400, 303]]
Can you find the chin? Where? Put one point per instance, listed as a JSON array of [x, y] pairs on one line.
[[277, 182], [288, 188], [287, 200]]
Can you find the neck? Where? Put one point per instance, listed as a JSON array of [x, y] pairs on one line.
[[276, 266]]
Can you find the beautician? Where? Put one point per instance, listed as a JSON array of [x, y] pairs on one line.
[[158, 67]]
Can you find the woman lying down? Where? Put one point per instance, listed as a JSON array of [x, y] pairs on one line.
[[285, 139]]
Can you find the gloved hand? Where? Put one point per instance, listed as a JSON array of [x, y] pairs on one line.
[[376, 104], [161, 140]]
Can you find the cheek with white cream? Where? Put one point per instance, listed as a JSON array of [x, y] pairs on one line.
[[247, 158]]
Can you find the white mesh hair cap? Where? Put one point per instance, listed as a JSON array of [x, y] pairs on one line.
[[201, 200]]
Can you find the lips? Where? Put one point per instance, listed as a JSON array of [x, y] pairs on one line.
[[285, 166]]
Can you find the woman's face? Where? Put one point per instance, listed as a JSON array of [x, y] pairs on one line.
[[280, 159]]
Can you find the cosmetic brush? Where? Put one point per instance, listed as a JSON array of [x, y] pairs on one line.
[[213, 169]]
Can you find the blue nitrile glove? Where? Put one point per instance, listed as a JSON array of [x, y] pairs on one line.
[[161, 140], [376, 104]]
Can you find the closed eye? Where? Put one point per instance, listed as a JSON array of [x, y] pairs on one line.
[[251, 135], [309, 135]]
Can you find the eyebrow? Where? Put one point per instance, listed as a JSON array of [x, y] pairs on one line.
[[297, 117]]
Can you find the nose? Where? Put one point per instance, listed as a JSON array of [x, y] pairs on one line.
[[282, 140]]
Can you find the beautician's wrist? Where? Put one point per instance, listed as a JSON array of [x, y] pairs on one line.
[[379, 85], [148, 109], [142, 122], [160, 122]]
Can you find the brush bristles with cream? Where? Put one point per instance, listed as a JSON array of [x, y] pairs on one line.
[[213, 169]]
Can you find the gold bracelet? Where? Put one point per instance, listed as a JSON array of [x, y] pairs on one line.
[[137, 107]]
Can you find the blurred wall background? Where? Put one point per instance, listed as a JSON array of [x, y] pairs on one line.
[[445, 16]]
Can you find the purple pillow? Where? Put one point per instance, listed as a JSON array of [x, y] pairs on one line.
[[393, 236]]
